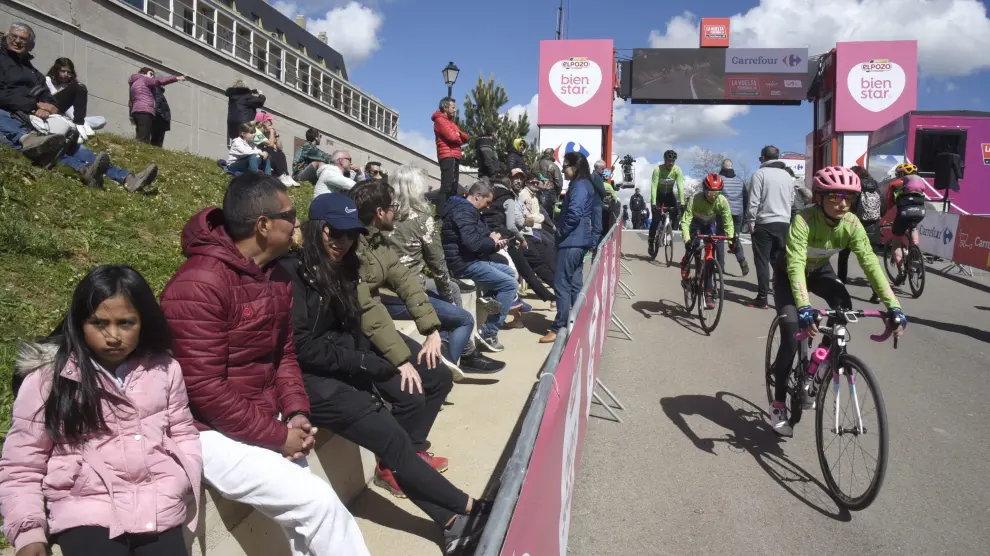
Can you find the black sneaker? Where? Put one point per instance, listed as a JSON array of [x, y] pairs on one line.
[[744, 266], [758, 303], [477, 363], [137, 182], [43, 150], [466, 530], [92, 174]]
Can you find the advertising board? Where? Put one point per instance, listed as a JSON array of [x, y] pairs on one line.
[[876, 81], [714, 32], [576, 82], [586, 140]]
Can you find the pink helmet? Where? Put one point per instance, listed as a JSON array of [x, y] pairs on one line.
[[836, 178]]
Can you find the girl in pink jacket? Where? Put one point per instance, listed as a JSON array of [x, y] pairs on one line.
[[102, 457]]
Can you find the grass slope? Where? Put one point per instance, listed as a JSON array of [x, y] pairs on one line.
[[53, 230]]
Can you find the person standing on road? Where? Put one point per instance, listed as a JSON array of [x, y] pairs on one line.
[[668, 190], [768, 217], [735, 192], [637, 206], [450, 138]]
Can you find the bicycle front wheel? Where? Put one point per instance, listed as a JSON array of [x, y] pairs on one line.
[[773, 345], [841, 433], [690, 289], [668, 244], [888, 263], [654, 244], [710, 315], [915, 269]]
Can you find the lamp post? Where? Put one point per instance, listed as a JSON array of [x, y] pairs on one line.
[[450, 77]]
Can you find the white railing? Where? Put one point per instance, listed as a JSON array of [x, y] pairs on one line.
[[216, 24]]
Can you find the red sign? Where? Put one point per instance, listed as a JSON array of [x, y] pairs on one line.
[[986, 153], [714, 32], [973, 241], [541, 521], [765, 87]]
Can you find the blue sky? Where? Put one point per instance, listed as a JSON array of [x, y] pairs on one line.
[[396, 49]]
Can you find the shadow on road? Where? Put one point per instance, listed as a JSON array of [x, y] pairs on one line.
[[959, 278], [750, 432], [671, 310], [981, 307], [646, 258], [975, 333]]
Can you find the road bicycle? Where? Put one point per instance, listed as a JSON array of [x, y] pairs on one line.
[[806, 389], [664, 237], [707, 270], [913, 263]]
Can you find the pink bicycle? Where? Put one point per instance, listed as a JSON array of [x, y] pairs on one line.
[[807, 389]]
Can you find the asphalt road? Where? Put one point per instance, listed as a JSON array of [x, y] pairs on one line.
[[667, 482]]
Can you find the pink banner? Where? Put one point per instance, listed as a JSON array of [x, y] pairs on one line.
[[875, 82], [576, 82], [541, 521]]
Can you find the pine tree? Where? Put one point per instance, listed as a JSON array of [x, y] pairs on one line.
[[481, 108]]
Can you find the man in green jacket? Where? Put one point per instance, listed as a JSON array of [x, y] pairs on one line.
[[380, 267], [668, 190]]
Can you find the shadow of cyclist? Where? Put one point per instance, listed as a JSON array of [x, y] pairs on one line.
[[671, 310], [750, 432]]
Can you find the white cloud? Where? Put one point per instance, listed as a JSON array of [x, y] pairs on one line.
[[418, 142], [950, 86], [650, 130], [531, 111], [352, 29], [953, 35]]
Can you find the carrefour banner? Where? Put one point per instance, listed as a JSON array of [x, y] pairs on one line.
[[937, 233], [576, 82], [587, 140]]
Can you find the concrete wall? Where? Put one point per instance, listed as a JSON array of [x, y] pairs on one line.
[[108, 41]]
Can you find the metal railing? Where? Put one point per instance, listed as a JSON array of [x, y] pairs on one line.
[[218, 26]]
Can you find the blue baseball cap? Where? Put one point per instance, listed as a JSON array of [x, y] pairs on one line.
[[337, 210]]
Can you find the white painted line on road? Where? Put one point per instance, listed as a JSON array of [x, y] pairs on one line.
[[693, 93]]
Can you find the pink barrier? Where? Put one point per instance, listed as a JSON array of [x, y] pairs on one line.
[[541, 520]]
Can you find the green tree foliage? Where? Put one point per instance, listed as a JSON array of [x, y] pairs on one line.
[[482, 108]]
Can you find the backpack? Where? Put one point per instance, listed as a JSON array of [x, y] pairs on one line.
[[869, 206]]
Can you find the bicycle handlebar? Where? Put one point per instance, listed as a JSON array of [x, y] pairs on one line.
[[871, 313], [713, 237]]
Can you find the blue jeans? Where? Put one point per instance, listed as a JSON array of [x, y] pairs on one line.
[[456, 324], [497, 279], [567, 282], [249, 164], [11, 129], [83, 157]]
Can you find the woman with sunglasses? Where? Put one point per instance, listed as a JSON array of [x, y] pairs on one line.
[[818, 232], [348, 382]]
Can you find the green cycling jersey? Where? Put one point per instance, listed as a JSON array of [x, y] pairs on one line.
[[812, 241], [701, 209], [664, 181]]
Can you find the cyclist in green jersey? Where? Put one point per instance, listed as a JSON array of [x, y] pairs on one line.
[[818, 232], [668, 190], [699, 218]]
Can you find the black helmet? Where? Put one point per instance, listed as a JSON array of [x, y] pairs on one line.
[[670, 155]]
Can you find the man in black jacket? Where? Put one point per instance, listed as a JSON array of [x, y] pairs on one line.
[[23, 90], [515, 159], [242, 106], [549, 169], [637, 206], [487, 153], [467, 244]]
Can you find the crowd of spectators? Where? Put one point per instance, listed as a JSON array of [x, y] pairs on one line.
[[272, 329]]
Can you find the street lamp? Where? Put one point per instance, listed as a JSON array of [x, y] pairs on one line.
[[450, 77]]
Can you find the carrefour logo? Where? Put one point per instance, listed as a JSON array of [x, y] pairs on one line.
[[792, 60], [569, 147], [945, 234]]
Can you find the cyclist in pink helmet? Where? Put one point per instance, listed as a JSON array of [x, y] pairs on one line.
[[817, 233]]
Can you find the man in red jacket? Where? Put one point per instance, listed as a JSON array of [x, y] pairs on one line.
[[450, 138], [229, 311]]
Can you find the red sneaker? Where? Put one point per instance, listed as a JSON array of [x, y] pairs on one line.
[[436, 462], [385, 479]]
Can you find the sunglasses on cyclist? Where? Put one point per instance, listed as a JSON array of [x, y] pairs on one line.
[[836, 197]]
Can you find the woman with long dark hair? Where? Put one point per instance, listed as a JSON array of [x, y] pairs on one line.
[[100, 425], [348, 382], [72, 97], [577, 231]]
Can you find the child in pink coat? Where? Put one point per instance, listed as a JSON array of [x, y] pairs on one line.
[[102, 436]]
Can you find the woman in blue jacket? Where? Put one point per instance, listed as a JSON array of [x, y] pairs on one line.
[[577, 232]]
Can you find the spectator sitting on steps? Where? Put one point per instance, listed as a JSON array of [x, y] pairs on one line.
[[244, 156], [243, 104], [373, 171], [24, 95], [415, 240], [349, 382], [267, 138], [229, 308], [143, 107], [339, 176], [515, 159], [309, 158]]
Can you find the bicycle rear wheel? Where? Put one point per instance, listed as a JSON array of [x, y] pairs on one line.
[[668, 245], [773, 345], [831, 437], [710, 317], [915, 268], [654, 245]]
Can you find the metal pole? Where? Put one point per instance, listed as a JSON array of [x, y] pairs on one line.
[[450, 91]]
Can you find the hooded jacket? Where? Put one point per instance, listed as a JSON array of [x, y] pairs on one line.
[[550, 170], [134, 479], [487, 155], [142, 92], [449, 137], [21, 85], [464, 235], [231, 325], [771, 195], [515, 157], [380, 267], [242, 106]]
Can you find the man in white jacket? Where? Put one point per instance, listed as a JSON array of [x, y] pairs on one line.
[[338, 177]]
